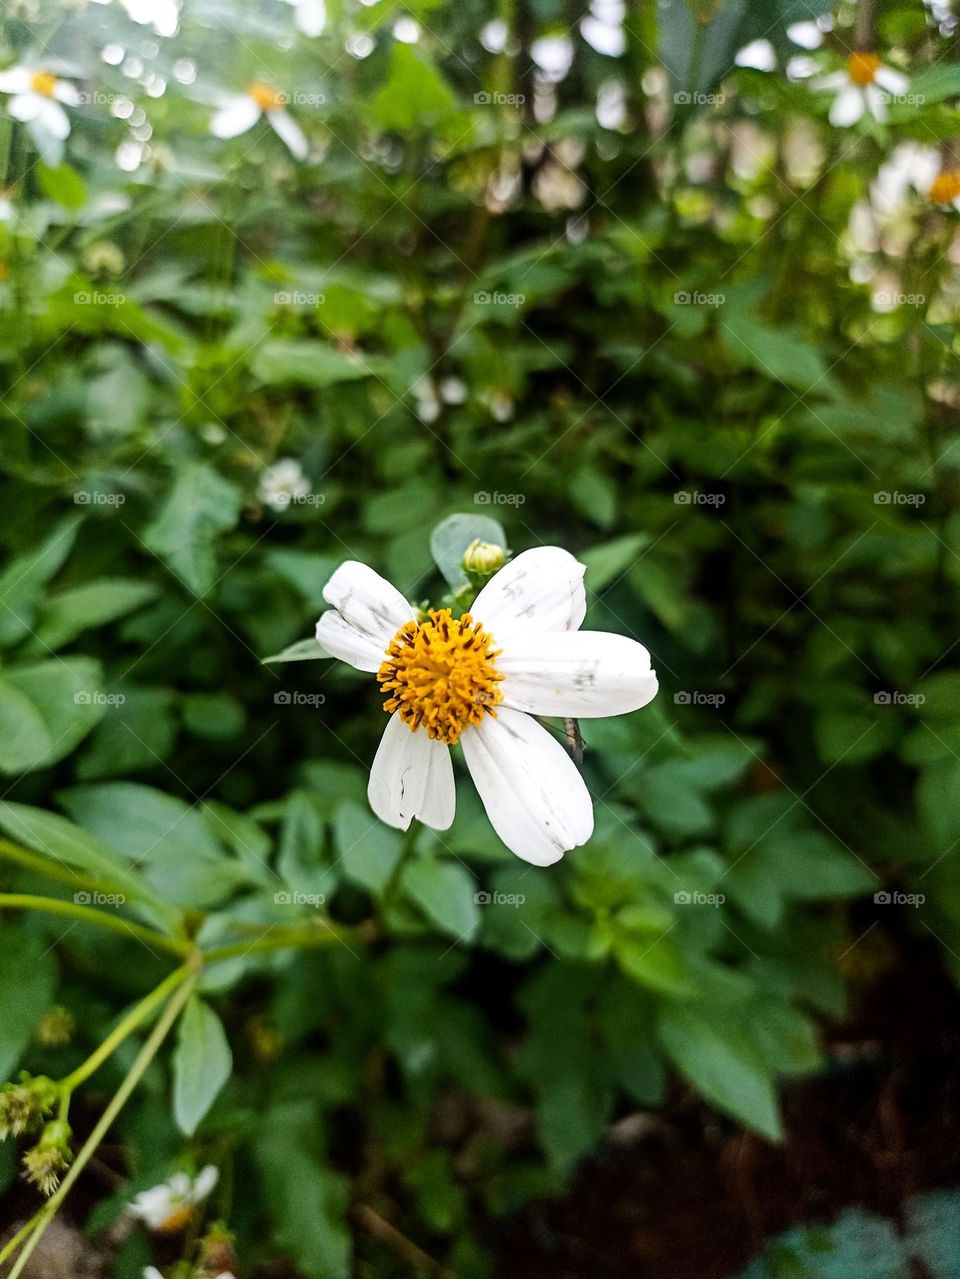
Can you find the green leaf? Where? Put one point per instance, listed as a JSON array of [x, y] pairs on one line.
[[415, 95], [60, 839], [63, 184], [27, 978], [65, 616], [309, 363], [46, 710], [611, 559], [202, 1062], [369, 851], [307, 650], [777, 353], [25, 576], [300, 860], [445, 892], [718, 1058], [451, 537], [200, 506]]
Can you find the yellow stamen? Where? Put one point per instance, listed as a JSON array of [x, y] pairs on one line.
[[946, 187], [177, 1220], [862, 68], [440, 675], [266, 97], [43, 82]]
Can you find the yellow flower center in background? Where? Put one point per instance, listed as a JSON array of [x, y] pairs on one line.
[[441, 675], [43, 82], [862, 68], [946, 187], [178, 1220], [266, 98]]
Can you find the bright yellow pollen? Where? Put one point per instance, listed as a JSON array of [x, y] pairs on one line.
[[43, 82], [177, 1221], [862, 68], [266, 98], [440, 675], [946, 187]]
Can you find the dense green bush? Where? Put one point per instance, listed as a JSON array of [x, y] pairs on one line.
[[672, 339]]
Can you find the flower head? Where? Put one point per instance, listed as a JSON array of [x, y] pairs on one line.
[[37, 95], [282, 483], [479, 680], [241, 111], [865, 84], [50, 1157], [945, 188], [168, 1207]]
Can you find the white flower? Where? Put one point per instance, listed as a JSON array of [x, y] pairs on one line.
[[479, 680], [170, 1205], [865, 85], [162, 15], [36, 100], [282, 483], [242, 111], [311, 16]]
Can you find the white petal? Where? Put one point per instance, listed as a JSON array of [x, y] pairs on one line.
[[285, 127], [206, 1179], [535, 798], [152, 1272], [541, 590], [847, 106], [367, 602], [877, 102], [15, 80], [240, 114], [893, 81], [584, 674], [54, 119], [341, 640], [311, 17], [66, 92], [835, 80], [411, 776], [26, 106], [49, 146]]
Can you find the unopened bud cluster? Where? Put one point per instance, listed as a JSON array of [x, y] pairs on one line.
[[24, 1106]]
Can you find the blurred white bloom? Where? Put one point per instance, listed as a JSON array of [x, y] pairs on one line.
[[6, 207], [242, 111], [553, 55], [406, 30], [169, 1206], [864, 85], [500, 404], [612, 104], [557, 188], [493, 36], [760, 55], [602, 28], [36, 100], [480, 680], [910, 166], [311, 16], [806, 34], [453, 390], [162, 15], [282, 483]]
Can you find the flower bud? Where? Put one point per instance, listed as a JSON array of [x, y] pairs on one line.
[[483, 558]]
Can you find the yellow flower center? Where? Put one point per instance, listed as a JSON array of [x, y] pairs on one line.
[[178, 1220], [862, 68], [266, 97], [441, 675], [43, 82], [946, 187]]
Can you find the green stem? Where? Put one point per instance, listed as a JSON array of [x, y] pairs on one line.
[[143, 1060], [63, 873], [125, 1027], [282, 941], [88, 915]]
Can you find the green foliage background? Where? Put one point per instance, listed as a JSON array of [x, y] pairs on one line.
[[693, 395]]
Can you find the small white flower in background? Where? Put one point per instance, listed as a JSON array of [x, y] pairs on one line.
[[282, 483], [242, 111], [311, 16], [428, 402], [864, 85], [480, 679], [453, 390], [162, 15], [168, 1207], [36, 100], [501, 406], [6, 207]]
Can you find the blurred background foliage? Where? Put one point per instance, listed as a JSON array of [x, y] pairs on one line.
[[624, 295]]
